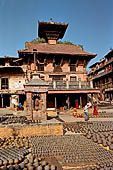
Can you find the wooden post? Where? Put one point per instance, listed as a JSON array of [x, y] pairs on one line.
[[80, 101], [35, 59], [2, 100], [54, 84], [55, 102], [91, 98], [111, 96], [79, 84], [67, 84], [32, 106], [10, 101], [91, 84], [68, 102]]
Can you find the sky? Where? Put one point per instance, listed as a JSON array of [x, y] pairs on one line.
[[90, 23]]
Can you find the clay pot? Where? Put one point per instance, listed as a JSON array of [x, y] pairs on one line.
[[39, 167]]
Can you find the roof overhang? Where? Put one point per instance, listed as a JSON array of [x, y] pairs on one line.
[[88, 91], [51, 30]]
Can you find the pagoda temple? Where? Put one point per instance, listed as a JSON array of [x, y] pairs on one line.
[[53, 73]]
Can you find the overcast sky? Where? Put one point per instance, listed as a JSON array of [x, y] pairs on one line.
[[90, 23]]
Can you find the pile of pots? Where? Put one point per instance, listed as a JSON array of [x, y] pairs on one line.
[[14, 141], [7, 120], [30, 163], [15, 153]]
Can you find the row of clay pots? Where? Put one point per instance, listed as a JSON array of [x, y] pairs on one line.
[[27, 163], [15, 141], [74, 146]]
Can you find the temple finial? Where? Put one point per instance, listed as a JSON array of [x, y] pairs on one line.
[[51, 21]]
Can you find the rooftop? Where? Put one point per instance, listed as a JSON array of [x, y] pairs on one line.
[[36, 82], [51, 30], [45, 48]]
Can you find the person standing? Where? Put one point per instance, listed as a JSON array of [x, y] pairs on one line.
[[95, 112], [86, 111]]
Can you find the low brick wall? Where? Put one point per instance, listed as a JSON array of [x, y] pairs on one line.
[[5, 132], [32, 130]]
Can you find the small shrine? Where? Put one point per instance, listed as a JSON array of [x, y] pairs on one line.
[[36, 91]]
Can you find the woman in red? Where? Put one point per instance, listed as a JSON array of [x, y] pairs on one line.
[[95, 113]]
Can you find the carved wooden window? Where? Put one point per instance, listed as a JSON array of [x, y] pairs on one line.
[[57, 77], [40, 64], [40, 67], [72, 68], [72, 64], [73, 78], [4, 83], [57, 64]]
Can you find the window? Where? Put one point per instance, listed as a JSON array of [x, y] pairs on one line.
[[72, 64], [42, 77], [72, 68], [73, 78], [57, 62], [40, 67], [40, 63], [57, 77], [4, 83]]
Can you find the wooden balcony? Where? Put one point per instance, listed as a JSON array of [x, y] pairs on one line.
[[102, 74], [106, 86], [102, 66], [68, 85]]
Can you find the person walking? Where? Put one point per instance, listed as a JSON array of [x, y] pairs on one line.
[[87, 106]]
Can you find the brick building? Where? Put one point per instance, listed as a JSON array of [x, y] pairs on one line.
[[102, 76], [52, 72]]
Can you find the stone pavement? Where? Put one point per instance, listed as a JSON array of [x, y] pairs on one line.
[[69, 118], [4, 111], [63, 117]]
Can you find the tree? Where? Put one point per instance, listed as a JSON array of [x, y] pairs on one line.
[[39, 40], [70, 43]]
